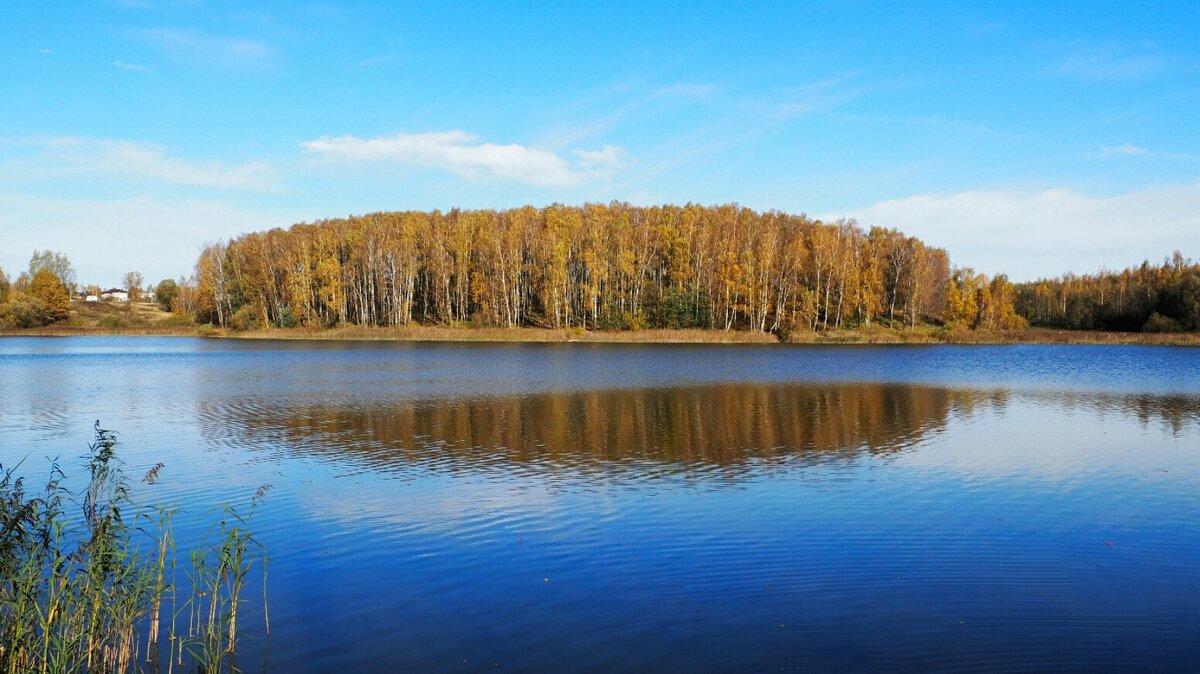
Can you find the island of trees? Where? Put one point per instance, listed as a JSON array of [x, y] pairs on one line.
[[621, 267]]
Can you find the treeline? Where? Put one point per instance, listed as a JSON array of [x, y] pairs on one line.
[[1147, 298], [617, 267], [40, 296], [599, 266]]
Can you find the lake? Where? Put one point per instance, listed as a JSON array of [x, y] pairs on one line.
[[598, 508]]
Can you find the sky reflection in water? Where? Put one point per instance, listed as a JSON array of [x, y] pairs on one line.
[[590, 508]]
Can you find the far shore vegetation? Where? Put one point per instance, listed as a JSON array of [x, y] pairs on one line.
[[605, 273]]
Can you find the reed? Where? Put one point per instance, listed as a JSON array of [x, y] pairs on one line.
[[88, 594]]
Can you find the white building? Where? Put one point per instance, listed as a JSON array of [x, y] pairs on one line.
[[115, 295]]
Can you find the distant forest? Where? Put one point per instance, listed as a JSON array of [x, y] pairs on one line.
[[621, 267], [599, 266], [1149, 298]]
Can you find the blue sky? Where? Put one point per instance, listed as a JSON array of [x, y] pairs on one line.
[[1027, 138]]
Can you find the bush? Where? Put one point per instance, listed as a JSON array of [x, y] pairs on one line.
[[207, 330], [113, 321], [286, 319], [23, 311], [248, 317], [1159, 323], [685, 310], [179, 319]]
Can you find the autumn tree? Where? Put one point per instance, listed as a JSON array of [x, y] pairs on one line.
[[132, 281], [963, 297], [5, 286], [165, 292], [55, 262], [1117, 300], [596, 266], [47, 288]]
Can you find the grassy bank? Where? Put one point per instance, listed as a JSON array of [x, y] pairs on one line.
[[922, 334], [930, 334], [112, 318], [435, 333]]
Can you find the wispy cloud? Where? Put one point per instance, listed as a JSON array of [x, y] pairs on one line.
[[818, 96], [691, 91], [384, 59], [204, 49], [985, 28], [45, 51], [1045, 233], [1131, 150], [57, 157], [1125, 150], [130, 66], [463, 154], [1109, 61]]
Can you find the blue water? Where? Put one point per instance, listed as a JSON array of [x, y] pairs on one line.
[[443, 507]]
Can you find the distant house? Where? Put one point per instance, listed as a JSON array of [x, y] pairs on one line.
[[91, 298], [115, 295]]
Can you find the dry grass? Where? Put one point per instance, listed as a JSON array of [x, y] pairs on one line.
[[148, 319], [113, 318], [1050, 336], [435, 333]]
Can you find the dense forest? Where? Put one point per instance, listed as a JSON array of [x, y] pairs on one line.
[[616, 267], [599, 266], [1148, 298]]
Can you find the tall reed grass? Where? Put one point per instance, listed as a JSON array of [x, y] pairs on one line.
[[97, 591]]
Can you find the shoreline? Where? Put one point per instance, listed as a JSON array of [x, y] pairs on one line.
[[874, 336]]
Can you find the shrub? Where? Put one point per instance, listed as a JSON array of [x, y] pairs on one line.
[[1159, 323], [113, 321], [685, 310], [23, 311], [286, 319], [248, 317], [179, 319]]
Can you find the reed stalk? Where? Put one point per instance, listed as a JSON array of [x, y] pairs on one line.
[[76, 593]]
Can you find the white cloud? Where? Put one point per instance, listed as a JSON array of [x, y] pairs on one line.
[[130, 66], [204, 49], [819, 96], [1131, 150], [1109, 61], [462, 154], [702, 92], [1034, 234], [1125, 150], [56, 157], [608, 157]]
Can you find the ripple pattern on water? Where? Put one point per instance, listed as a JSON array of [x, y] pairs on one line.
[[597, 508]]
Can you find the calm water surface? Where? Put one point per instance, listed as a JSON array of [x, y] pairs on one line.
[[687, 508]]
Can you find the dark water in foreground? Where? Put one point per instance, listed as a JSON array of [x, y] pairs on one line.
[[683, 508]]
